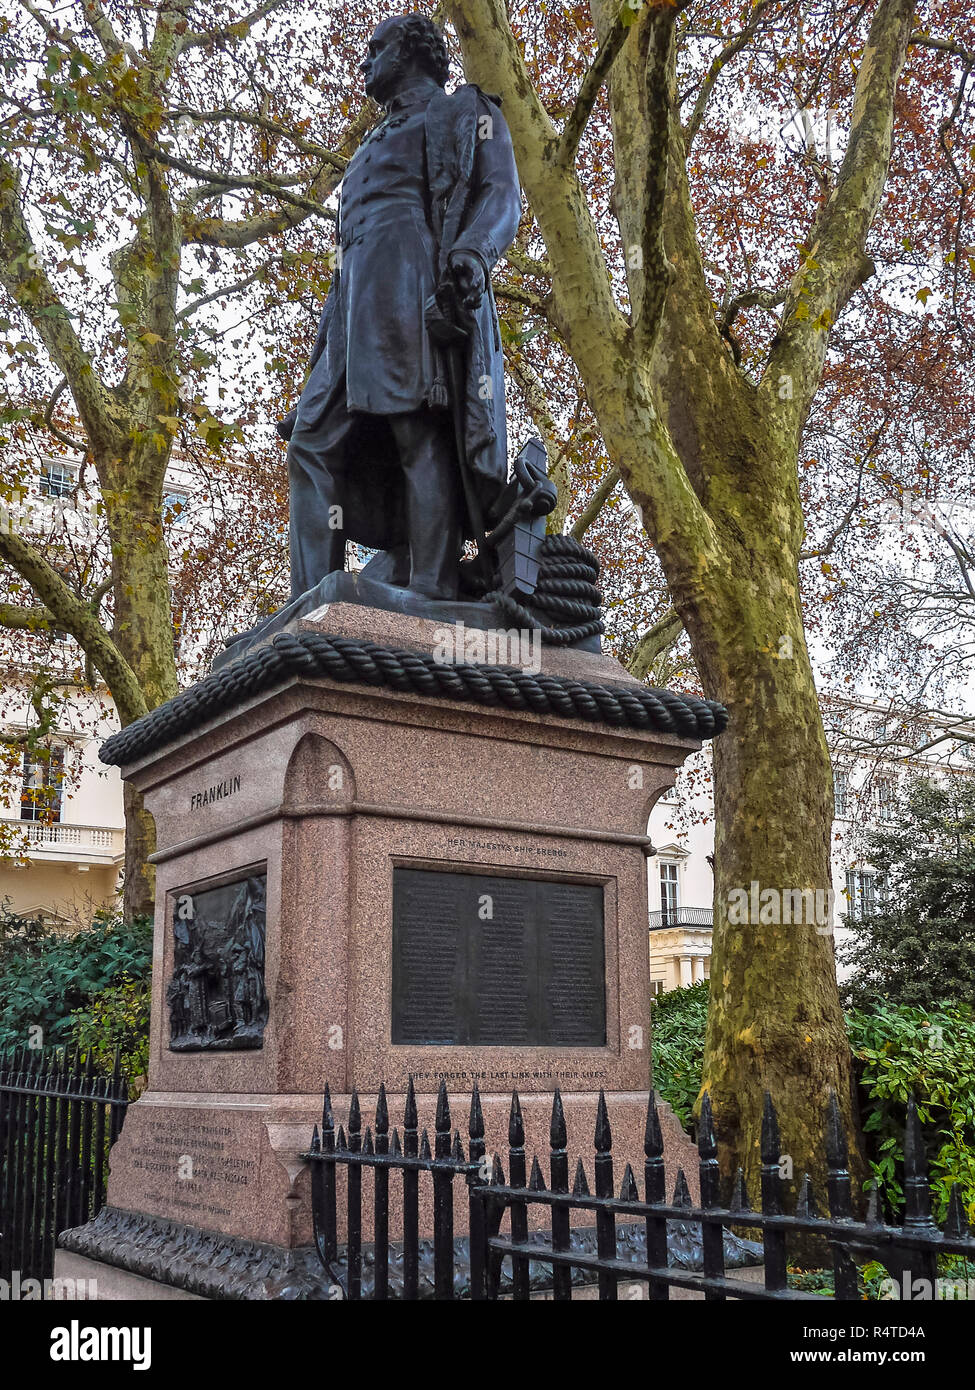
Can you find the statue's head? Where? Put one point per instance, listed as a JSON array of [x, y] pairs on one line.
[[402, 49]]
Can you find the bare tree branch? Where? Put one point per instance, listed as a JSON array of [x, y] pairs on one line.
[[835, 264], [101, 27], [276, 185], [950, 46], [730, 50], [225, 291], [527, 265], [25, 279], [748, 299], [34, 619], [230, 114], [596, 503], [203, 39], [49, 409], [592, 84], [943, 127], [228, 232], [517, 294], [657, 271], [76, 616], [654, 643]]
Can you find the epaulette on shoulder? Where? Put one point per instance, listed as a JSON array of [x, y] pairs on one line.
[[492, 97]]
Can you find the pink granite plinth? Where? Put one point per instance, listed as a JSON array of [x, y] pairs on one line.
[[231, 1163], [332, 788]]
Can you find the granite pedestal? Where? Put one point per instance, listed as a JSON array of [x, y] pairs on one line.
[[329, 790]]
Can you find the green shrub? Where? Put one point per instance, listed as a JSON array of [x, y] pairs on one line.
[[117, 1020], [47, 976], [930, 1053], [678, 1022], [897, 1050], [871, 1278]]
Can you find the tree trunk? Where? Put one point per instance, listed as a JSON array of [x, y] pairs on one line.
[[775, 1022], [708, 452], [139, 887], [144, 634], [143, 628]]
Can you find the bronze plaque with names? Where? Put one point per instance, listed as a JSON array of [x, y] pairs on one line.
[[492, 960]]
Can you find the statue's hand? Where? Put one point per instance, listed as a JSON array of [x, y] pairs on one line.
[[286, 427], [469, 279]]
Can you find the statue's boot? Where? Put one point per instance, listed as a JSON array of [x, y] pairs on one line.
[[389, 566]]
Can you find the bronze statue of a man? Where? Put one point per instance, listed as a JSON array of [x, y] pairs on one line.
[[428, 204]]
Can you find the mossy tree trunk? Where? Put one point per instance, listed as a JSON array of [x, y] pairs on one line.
[[710, 457]]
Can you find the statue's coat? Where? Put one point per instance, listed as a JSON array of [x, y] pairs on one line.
[[437, 175]]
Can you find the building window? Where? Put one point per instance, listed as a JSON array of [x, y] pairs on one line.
[[861, 892], [57, 479], [841, 793], [175, 504], [886, 798], [669, 893], [41, 788], [656, 987]]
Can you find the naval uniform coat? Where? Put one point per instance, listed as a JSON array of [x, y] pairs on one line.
[[436, 175]]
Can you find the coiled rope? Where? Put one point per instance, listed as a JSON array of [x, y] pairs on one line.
[[566, 594], [350, 660]]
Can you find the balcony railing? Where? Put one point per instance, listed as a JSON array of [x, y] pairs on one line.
[[681, 917], [77, 839]]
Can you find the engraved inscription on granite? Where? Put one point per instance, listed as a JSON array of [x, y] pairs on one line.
[[489, 959], [216, 996], [192, 1167]]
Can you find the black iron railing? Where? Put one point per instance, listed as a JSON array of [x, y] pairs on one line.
[[58, 1120], [509, 1262], [681, 917], [383, 1155]]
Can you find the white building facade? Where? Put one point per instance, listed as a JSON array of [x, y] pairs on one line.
[[62, 827], [61, 820]]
